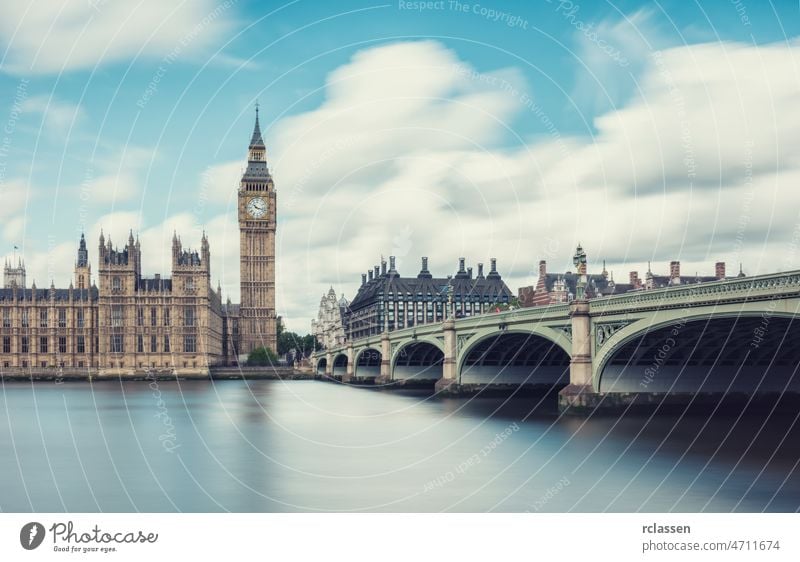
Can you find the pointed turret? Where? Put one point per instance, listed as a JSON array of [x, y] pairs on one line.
[[83, 270], [83, 253], [257, 170], [256, 141]]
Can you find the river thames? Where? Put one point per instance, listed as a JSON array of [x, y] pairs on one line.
[[265, 446]]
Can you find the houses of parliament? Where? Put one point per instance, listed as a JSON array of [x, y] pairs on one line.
[[125, 323]]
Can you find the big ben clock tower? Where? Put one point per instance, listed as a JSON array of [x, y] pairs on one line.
[[257, 216]]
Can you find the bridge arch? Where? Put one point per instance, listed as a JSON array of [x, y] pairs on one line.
[[367, 363], [322, 363], [703, 351], [539, 356], [339, 367], [419, 359]]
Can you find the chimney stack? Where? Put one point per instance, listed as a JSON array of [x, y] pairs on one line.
[[493, 269], [461, 262], [719, 270], [392, 264], [424, 273], [542, 268], [370, 275], [675, 272], [377, 271], [363, 278], [383, 267], [469, 272], [480, 271]]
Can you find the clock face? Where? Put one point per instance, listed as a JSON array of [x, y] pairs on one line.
[[256, 207]]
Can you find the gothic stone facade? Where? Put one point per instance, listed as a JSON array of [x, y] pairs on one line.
[[128, 324], [328, 327]]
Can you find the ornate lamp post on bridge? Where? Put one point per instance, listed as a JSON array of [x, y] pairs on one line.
[[579, 259]]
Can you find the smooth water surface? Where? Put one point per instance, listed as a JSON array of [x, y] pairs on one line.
[[315, 446]]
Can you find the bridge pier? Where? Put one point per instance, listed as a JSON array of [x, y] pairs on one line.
[[580, 392], [348, 375], [329, 365], [448, 384], [385, 376]]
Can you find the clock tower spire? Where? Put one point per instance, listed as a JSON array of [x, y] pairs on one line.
[[257, 222]]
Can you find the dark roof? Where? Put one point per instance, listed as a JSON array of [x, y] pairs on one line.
[[188, 258], [116, 257], [664, 280], [257, 170], [395, 287], [154, 284], [596, 284], [7, 294], [230, 309]]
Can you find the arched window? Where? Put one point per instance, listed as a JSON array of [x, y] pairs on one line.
[[116, 284]]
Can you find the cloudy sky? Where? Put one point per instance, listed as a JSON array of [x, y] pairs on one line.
[[645, 131]]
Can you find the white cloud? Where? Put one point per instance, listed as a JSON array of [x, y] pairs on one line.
[[404, 157], [57, 115], [407, 156], [51, 36]]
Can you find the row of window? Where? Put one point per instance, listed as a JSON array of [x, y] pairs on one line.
[[399, 298], [117, 344], [44, 320], [117, 319], [116, 284], [26, 344]]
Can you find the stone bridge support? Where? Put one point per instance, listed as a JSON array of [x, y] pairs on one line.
[[580, 366], [348, 376], [449, 381], [386, 357], [329, 364]]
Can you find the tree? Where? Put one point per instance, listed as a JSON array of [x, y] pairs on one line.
[[291, 340], [513, 304], [261, 356]]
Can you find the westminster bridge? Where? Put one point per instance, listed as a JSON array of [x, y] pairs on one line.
[[735, 336]]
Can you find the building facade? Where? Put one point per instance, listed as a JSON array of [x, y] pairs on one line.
[[125, 323], [328, 327], [554, 288], [387, 301]]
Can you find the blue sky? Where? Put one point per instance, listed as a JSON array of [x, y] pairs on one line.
[[647, 131]]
